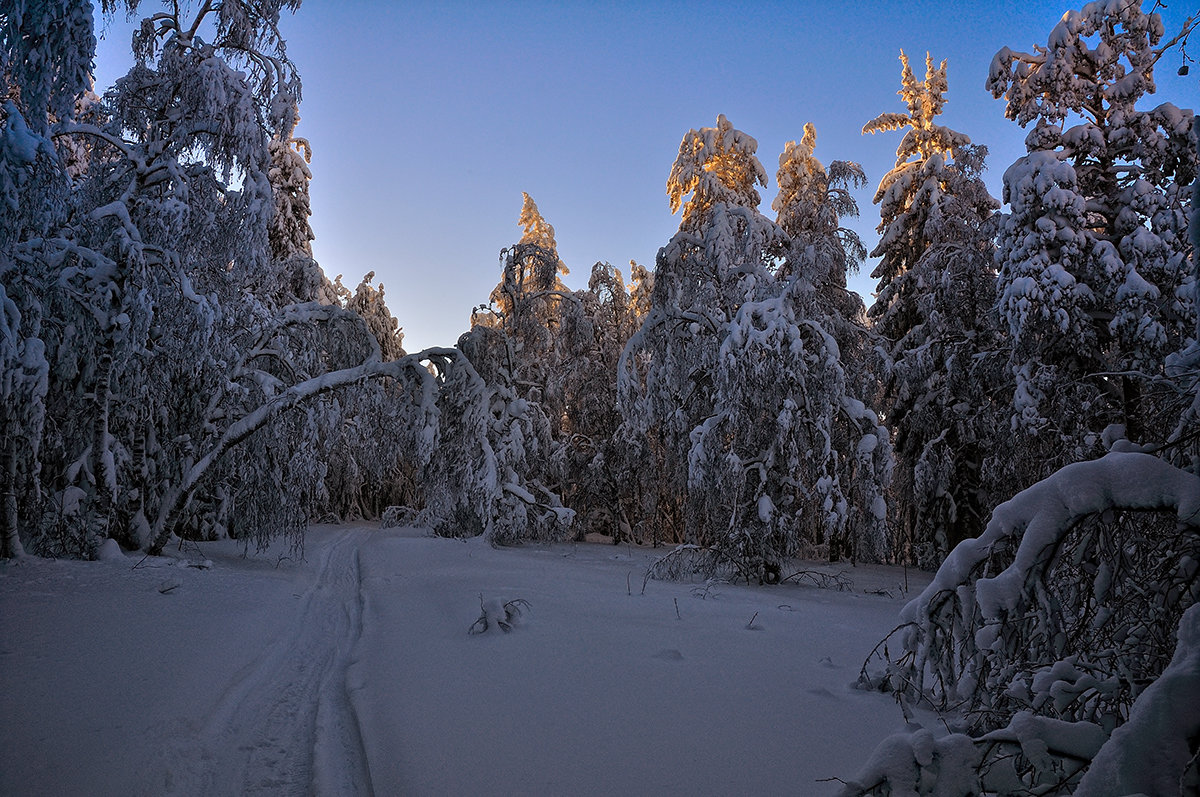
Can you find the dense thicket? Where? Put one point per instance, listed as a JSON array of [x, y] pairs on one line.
[[1066, 633], [753, 442], [174, 361]]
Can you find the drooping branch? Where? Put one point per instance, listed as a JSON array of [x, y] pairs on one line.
[[413, 366]]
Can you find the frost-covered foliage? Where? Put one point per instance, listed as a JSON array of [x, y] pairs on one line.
[[47, 57], [1043, 640], [522, 344], [593, 468], [719, 258], [1184, 366], [290, 233], [1031, 755], [810, 206], [368, 303], [169, 347], [1156, 750], [141, 217], [787, 462], [716, 167], [1067, 608], [295, 273], [1095, 285], [933, 310], [733, 392]]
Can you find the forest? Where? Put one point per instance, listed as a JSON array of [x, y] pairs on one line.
[[1018, 408]]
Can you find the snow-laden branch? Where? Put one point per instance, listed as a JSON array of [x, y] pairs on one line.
[[411, 366], [1056, 591]]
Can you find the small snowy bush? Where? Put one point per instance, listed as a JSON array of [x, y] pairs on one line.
[[496, 613], [395, 516]]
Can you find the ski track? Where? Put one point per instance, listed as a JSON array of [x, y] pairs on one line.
[[286, 723]]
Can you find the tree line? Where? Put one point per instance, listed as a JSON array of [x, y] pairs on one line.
[[175, 363]]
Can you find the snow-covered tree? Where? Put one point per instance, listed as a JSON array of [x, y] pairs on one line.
[[540, 318], [290, 233], [523, 345], [527, 276], [792, 456], [166, 370], [1184, 366], [297, 275], [1048, 631], [539, 232], [23, 386], [732, 391], [810, 206], [933, 310], [1095, 285], [592, 469], [368, 303], [720, 257]]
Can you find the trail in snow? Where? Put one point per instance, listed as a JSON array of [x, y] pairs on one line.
[[285, 724], [353, 673]]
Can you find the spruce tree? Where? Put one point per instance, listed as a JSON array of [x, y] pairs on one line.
[[733, 389]]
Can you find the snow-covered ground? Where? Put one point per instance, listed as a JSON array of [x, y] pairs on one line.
[[353, 671]]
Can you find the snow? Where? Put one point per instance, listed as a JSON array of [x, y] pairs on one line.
[[207, 673], [16, 137]]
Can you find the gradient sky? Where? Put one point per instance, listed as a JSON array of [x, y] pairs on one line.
[[428, 120]]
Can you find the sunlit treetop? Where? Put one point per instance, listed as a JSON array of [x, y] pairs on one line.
[[715, 165], [925, 100], [811, 198], [538, 231]]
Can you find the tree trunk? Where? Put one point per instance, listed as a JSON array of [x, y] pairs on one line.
[[10, 538], [131, 529], [1131, 400], [103, 479]]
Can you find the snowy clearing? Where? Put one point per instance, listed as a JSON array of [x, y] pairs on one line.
[[353, 671]]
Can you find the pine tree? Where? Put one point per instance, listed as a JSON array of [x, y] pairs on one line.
[[933, 311], [1094, 279]]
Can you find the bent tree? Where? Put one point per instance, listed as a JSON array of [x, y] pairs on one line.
[[157, 296]]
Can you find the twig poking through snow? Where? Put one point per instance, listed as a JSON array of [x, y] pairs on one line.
[[495, 613], [820, 580]]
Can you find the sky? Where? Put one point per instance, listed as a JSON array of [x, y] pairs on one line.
[[428, 119]]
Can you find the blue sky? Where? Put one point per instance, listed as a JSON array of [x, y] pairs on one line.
[[428, 120]]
